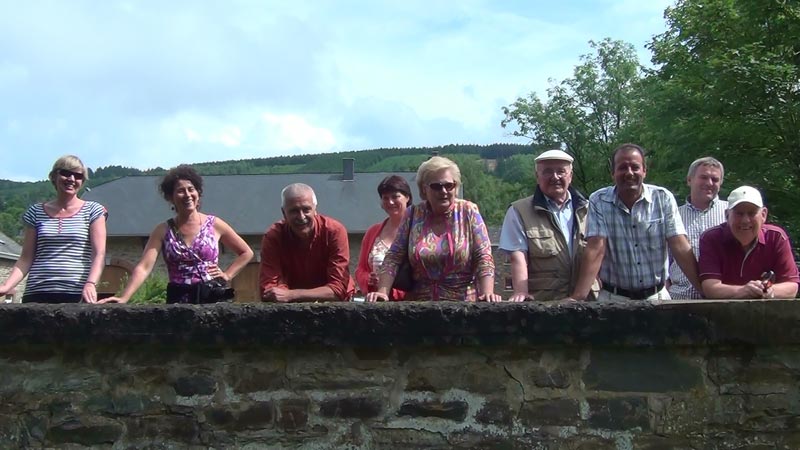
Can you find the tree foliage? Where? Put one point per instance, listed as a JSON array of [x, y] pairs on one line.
[[726, 83], [587, 114]]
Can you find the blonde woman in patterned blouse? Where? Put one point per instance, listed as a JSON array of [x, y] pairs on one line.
[[445, 240]]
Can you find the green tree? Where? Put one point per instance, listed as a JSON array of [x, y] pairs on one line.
[[589, 113], [726, 84]]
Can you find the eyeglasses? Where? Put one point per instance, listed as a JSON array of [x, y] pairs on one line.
[[68, 173], [449, 186], [562, 172]]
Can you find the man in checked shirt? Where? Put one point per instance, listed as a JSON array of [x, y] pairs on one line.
[[629, 228]]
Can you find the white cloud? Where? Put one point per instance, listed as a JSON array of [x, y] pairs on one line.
[[148, 83], [293, 133]]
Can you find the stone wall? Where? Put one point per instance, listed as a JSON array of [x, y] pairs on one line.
[[411, 375]]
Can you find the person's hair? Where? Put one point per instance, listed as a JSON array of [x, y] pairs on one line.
[[68, 162], [295, 190], [627, 148], [395, 183], [181, 172], [706, 161], [433, 165]]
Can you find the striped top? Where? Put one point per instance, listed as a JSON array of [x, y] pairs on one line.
[[696, 222], [636, 239], [63, 249]]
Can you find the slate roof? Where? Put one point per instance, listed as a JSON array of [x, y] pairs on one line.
[[249, 203], [8, 248]]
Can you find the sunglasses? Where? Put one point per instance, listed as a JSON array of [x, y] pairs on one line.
[[68, 173], [449, 186]]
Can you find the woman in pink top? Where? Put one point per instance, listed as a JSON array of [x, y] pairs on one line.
[[445, 240], [189, 243], [395, 197]]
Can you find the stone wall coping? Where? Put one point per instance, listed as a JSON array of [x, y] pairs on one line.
[[632, 324]]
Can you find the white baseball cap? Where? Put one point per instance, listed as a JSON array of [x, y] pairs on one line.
[[554, 154], [745, 194]]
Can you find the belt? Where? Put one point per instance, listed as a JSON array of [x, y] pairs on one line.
[[633, 294]]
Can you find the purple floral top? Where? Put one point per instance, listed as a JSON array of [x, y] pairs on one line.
[[444, 267], [189, 264]]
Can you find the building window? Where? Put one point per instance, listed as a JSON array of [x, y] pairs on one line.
[[509, 285]]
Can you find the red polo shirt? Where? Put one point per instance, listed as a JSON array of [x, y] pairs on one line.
[[723, 258], [287, 262]]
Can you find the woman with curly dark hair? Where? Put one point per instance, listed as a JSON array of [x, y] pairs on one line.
[[189, 243]]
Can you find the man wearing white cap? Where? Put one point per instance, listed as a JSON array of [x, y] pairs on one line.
[[743, 257], [543, 233], [629, 227]]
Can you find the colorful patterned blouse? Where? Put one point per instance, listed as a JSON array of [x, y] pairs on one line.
[[444, 267], [189, 264]]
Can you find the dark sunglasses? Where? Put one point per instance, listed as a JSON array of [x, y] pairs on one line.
[[449, 186], [68, 173]]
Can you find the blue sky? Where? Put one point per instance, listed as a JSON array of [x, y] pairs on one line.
[[153, 83]]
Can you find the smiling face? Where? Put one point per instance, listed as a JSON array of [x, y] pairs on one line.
[[554, 177], [629, 172], [68, 181], [436, 193], [298, 213], [704, 184], [185, 197], [745, 221], [394, 203]]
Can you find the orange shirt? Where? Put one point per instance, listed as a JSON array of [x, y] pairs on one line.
[[287, 262]]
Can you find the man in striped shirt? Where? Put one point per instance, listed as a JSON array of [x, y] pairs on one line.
[[702, 210], [628, 229]]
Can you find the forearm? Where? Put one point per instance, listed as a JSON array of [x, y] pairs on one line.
[[485, 285], [787, 289], [717, 290], [322, 294], [98, 264], [590, 266], [688, 265], [13, 279], [238, 264], [135, 281], [682, 253], [519, 273]]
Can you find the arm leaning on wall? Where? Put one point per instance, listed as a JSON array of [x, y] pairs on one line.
[[23, 264], [143, 267], [481, 254]]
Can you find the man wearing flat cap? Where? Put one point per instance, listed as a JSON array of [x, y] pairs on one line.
[[543, 233], [743, 257]]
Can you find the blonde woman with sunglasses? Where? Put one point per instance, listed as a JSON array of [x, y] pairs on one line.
[[65, 242], [445, 240]]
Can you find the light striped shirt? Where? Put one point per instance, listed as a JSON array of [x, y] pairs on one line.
[[63, 249], [636, 239], [696, 221]]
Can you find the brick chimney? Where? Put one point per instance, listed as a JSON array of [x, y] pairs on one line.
[[348, 169]]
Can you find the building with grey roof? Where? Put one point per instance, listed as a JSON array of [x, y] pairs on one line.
[[9, 254], [249, 203]]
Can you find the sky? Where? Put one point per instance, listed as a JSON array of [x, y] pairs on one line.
[[158, 83]]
